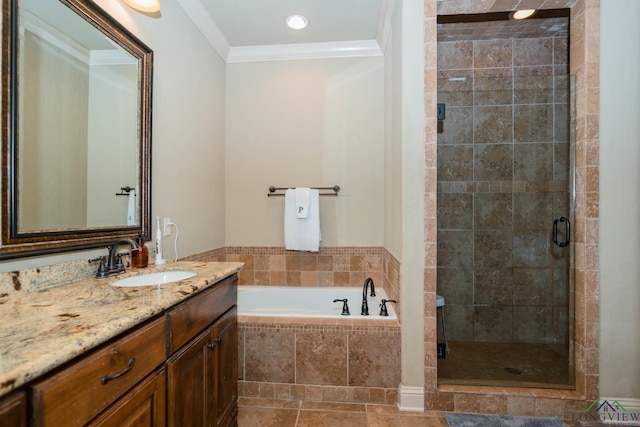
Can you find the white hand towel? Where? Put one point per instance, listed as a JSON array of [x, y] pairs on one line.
[[302, 202], [131, 210], [301, 234]]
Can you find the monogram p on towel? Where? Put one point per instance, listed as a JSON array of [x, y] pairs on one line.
[[302, 234], [302, 202]]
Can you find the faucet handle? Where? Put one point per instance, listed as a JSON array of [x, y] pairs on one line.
[[119, 263], [102, 269], [345, 307], [383, 306]]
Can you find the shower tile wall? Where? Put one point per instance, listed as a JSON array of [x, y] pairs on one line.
[[502, 179]]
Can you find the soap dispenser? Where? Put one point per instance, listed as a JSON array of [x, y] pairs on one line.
[[140, 256]]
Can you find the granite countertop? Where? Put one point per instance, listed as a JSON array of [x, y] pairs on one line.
[[42, 330]]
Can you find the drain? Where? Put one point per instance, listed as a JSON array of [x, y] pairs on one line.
[[513, 371]]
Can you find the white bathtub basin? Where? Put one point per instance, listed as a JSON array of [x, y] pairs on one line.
[[296, 301], [153, 279]]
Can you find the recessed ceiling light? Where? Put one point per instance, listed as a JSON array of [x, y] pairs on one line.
[[522, 14], [297, 22]]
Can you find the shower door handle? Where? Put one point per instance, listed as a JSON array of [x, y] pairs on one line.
[[567, 236]]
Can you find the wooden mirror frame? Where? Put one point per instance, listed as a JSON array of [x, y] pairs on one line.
[[15, 244]]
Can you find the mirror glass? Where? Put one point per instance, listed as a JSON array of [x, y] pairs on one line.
[[77, 130], [76, 148]]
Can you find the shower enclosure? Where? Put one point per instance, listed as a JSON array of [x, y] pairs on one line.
[[505, 203]]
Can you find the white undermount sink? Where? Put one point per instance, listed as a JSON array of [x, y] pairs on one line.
[[153, 279]]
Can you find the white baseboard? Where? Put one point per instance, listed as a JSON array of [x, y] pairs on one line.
[[411, 399]]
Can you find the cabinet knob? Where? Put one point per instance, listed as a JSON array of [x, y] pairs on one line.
[[211, 346], [218, 340]]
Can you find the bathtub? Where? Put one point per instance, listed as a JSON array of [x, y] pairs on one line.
[[305, 302]]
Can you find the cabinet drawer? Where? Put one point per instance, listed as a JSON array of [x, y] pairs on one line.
[[192, 316], [75, 395]]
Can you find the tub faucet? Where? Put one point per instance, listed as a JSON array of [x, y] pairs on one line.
[[365, 306], [112, 268]]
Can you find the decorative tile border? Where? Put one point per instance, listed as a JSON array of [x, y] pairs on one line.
[[317, 393], [339, 326], [214, 255], [556, 186]]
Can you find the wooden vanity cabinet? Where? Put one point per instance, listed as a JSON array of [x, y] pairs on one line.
[[13, 410], [202, 388], [202, 374], [177, 370]]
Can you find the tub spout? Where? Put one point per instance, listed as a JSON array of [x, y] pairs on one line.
[[365, 306]]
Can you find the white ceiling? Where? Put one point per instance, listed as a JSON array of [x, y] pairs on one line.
[[255, 30], [262, 22]]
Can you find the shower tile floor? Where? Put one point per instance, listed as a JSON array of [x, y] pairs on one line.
[[471, 363], [289, 413]]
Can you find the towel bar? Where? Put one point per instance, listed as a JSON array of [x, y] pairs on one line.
[[124, 191], [335, 189]]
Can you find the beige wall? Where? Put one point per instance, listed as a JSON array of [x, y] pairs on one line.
[[112, 141], [404, 187], [188, 126], [392, 148], [188, 132], [620, 205], [299, 124], [53, 156]]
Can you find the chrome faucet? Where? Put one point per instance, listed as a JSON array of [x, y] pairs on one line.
[[365, 306], [114, 266]]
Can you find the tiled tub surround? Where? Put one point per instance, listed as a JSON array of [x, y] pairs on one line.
[[42, 330], [343, 360], [338, 266], [331, 266], [330, 360], [502, 178]]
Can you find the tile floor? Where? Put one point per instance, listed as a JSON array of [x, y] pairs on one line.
[[279, 413], [539, 365], [255, 412]]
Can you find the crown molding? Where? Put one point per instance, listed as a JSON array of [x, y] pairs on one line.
[[51, 35], [288, 52], [385, 23], [201, 18]]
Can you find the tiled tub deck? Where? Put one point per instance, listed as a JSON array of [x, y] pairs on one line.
[[330, 360]]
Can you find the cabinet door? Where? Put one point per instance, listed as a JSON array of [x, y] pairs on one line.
[[189, 382], [225, 338], [78, 393], [143, 406], [13, 410]]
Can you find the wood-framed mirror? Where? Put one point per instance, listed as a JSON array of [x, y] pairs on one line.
[[76, 128]]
